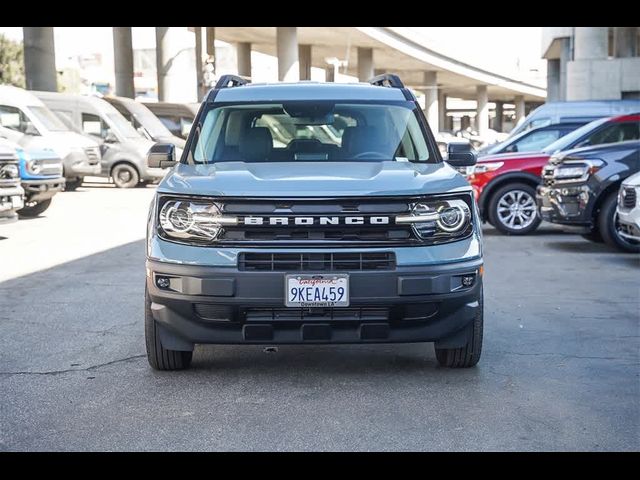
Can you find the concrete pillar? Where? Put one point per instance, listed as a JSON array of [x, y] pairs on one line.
[[123, 61], [210, 42], [287, 51], [553, 80], [176, 79], [591, 43], [497, 126], [442, 111], [482, 111], [244, 59], [330, 75], [304, 55], [431, 100], [199, 64], [40, 59], [625, 42], [365, 63], [565, 58], [519, 102]]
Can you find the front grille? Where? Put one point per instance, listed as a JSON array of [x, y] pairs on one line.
[[320, 314], [547, 176], [314, 262], [9, 173], [629, 197], [50, 166], [93, 154]]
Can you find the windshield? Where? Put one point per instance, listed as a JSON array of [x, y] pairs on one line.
[[568, 140], [122, 126], [148, 120], [311, 131], [49, 119]]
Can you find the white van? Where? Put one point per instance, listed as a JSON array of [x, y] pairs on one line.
[[29, 123]]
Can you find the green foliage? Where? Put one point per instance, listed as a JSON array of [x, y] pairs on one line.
[[11, 62]]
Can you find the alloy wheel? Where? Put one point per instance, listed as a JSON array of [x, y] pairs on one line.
[[516, 209]]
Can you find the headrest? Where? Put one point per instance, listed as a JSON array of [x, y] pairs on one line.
[[365, 139], [256, 144]]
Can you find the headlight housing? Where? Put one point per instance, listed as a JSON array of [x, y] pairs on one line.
[[191, 221], [576, 170], [33, 167], [440, 220], [9, 171], [485, 167]]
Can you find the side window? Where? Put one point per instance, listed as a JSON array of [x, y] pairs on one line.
[[539, 122], [617, 132], [13, 118], [93, 125], [66, 116], [535, 141]]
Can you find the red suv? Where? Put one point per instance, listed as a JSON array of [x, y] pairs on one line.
[[505, 184]]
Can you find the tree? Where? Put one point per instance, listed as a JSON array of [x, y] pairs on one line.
[[11, 62]]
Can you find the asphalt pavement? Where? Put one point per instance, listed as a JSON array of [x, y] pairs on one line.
[[559, 369]]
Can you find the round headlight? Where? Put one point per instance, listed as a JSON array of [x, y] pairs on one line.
[[33, 167], [178, 219], [9, 171], [191, 220], [450, 219]]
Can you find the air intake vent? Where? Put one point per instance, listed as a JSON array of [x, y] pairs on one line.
[[315, 262]]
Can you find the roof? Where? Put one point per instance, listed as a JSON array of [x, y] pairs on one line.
[[308, 91], [18, 96], [97, 103]]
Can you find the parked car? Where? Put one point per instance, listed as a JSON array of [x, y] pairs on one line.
[[532, 140], [368, 238], [505, 184], [29, 123], [11, 193], [124, 150], [41, 176], [628, 209], [177, 117], [145, 121], [581, 112], [581, 189]]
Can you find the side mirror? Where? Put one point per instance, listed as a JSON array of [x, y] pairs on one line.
[[110, 137], [461, 154], [31, 130], [162, 155]]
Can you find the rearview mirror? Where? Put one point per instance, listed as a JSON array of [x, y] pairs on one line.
[[461, 154], [161, 155], [110, 137], [30, 129]]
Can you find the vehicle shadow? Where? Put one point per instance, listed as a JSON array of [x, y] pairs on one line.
[[582, 246]]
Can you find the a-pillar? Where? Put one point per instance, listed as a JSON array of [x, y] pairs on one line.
[[175, 83], [625, 42], [482, 110], [244, 59], [304, 56], [123, 62], [365, 63], [431, 100], [519, 102], [40, 59], [287, 51]]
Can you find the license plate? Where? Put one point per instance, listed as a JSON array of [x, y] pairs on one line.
[[317, 290], [17, 202]]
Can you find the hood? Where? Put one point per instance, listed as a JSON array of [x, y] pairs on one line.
[[501, 157], [313, 179]]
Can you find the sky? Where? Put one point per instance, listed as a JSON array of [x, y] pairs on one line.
[[512, 51]]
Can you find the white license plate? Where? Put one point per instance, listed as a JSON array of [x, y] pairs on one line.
[[317, 290], [17, 202]]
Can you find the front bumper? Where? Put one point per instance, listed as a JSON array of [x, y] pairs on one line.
[[11, 200], [77, 165], [566, 205], [40, 190], [629, 223], [228, 306]]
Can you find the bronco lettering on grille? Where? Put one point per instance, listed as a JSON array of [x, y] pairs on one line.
[[302, 221]]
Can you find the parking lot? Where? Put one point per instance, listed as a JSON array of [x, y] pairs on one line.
[[559, 369]]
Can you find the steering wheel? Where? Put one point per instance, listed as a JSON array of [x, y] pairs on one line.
[[378, 155]]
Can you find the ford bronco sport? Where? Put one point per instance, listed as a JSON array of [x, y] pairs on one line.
[[312, 213]]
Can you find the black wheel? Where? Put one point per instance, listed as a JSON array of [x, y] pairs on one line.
[[512, 209], [125, 175], [469, 355], [159, 357], [143, 184], [71, 185], [34, 210], [593, 236], [608, 228]]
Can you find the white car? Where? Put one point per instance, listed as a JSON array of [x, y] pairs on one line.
[[628, 209]]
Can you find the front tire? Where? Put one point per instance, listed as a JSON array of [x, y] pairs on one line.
[[34, 210], [512, 209], [125, 175], [469, 355], [608, 229], [161, 358], [72, 185]]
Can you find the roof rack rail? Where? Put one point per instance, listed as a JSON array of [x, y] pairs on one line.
[[392, 80], [234, 80]]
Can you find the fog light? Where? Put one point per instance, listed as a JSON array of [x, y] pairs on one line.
[[163, 282], [468, 280]]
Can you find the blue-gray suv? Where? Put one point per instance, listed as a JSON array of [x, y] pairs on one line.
[[312, 213]]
